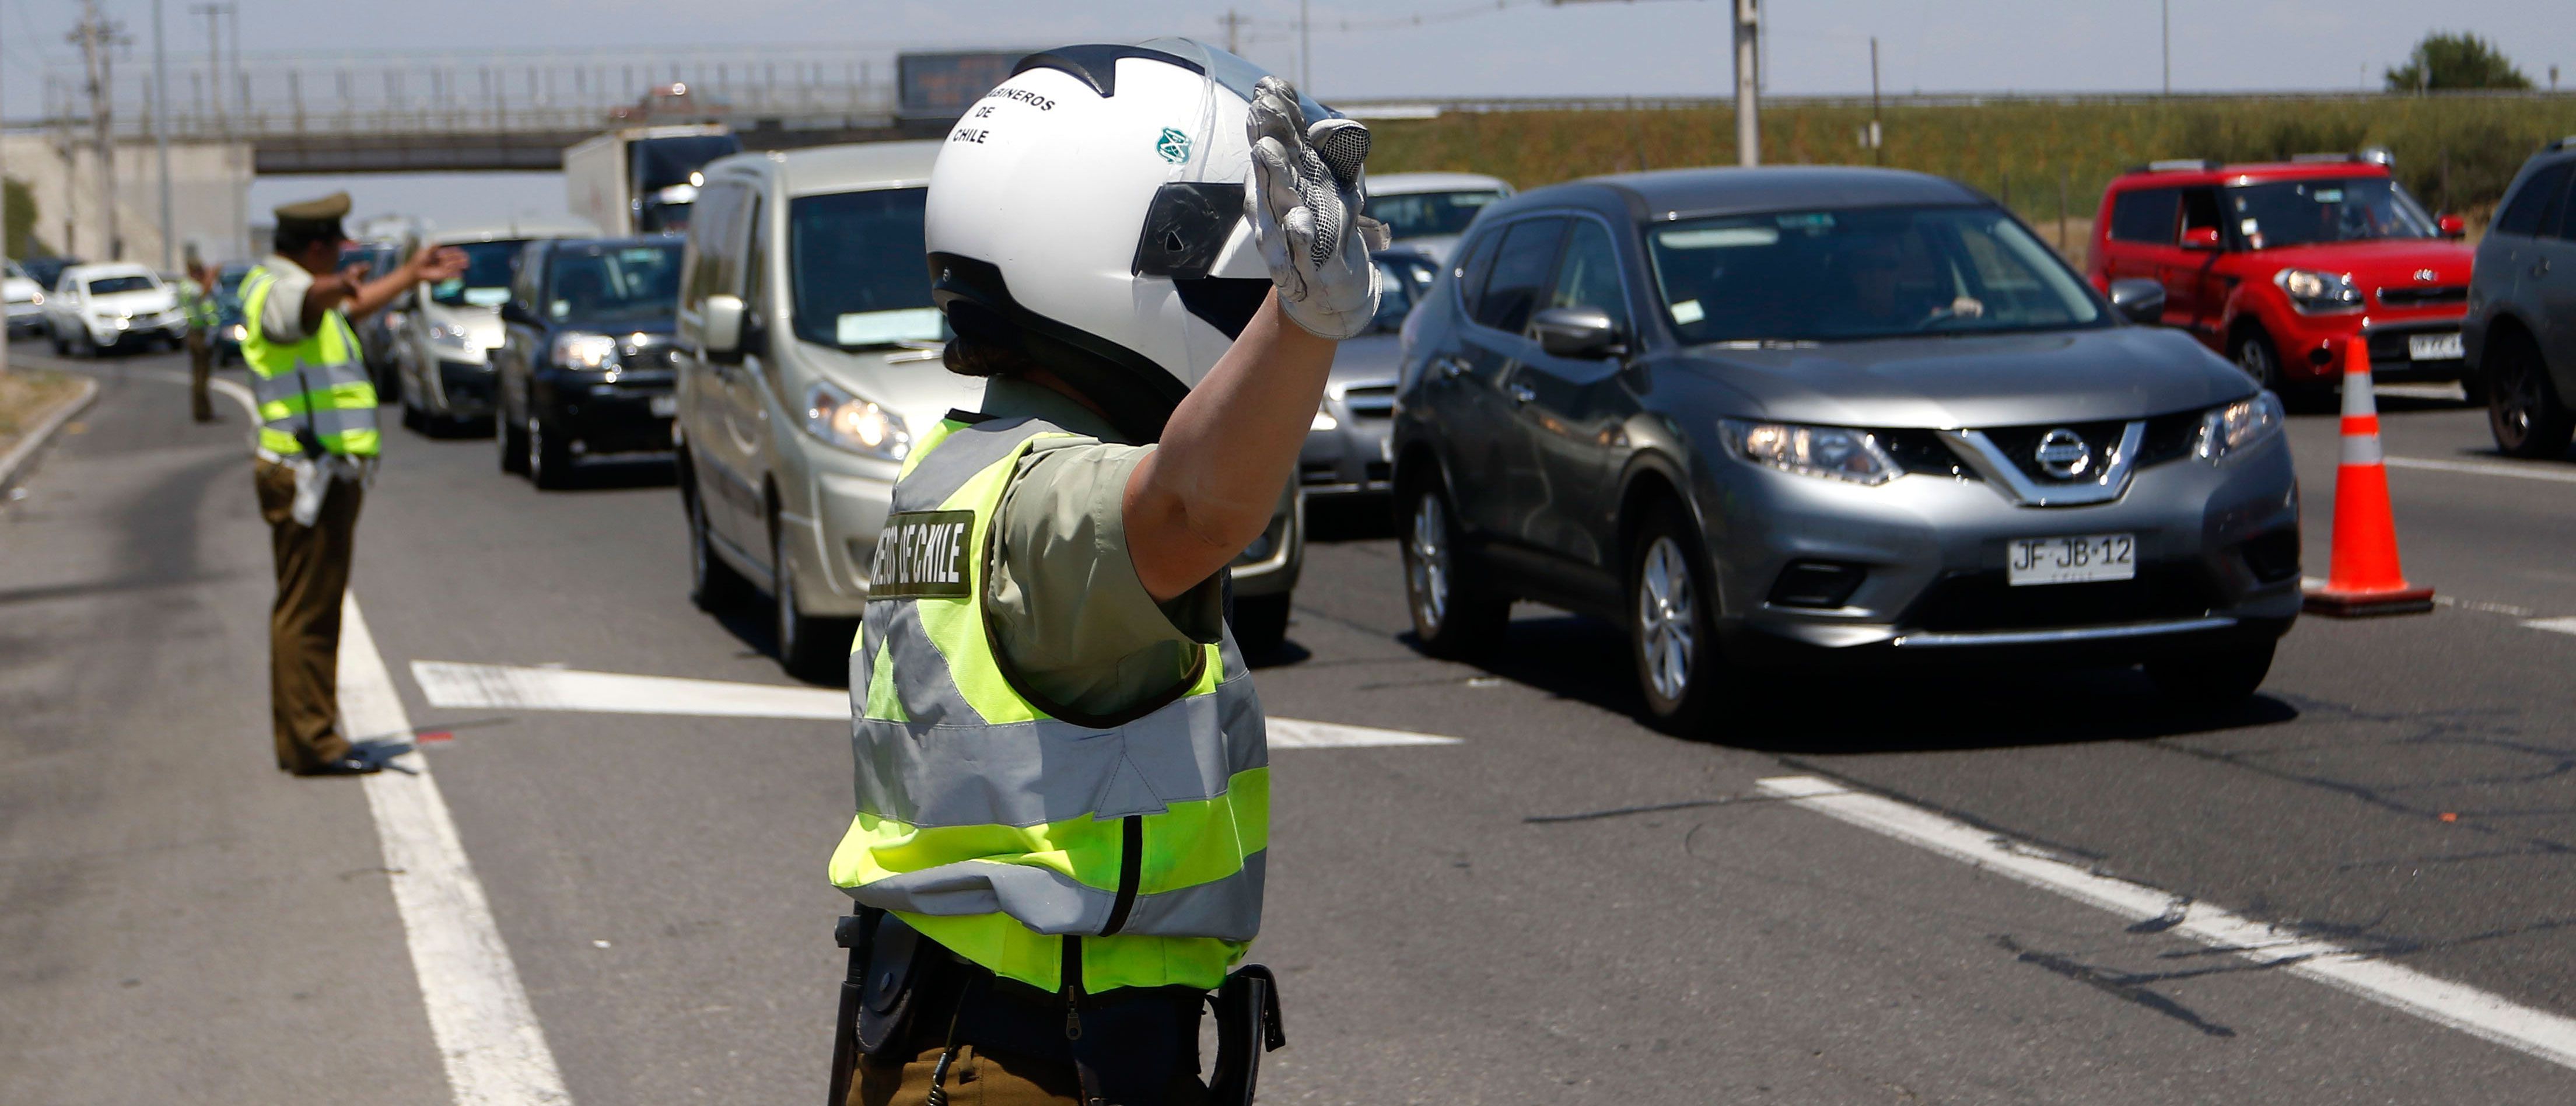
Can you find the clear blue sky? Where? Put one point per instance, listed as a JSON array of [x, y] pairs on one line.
[[1673, 47]]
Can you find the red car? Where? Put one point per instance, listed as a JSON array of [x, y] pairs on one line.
[[2275, 265]]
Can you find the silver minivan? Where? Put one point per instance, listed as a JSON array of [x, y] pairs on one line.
[[809, 364]]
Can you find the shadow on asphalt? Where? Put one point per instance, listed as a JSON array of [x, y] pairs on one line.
[[1934, 709]]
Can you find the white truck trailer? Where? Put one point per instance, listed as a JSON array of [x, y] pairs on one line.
[[642, 180]]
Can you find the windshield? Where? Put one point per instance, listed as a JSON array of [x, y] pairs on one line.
[[1422, 214], [47, 270], [663, 162], [379, 259], [1403, 279], [486, 282], [108, 286], [855, 261], [2346, 209], [602, 283], [1862, 273]]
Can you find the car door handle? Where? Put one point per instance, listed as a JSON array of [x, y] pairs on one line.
[[2540, 267], [1522, 393], [1451, 367]]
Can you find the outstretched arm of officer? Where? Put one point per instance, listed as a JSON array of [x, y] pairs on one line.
[[357, 297], [1209, 488]]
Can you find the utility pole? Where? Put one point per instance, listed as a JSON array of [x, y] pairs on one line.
[[1877, 136], [2166, 7], [1748, 83], [95, 35], [161, 134], [1305, 52], [1233, 22], [214, 14]]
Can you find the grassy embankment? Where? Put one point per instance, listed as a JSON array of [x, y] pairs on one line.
[[26, 397], [2457, 153]]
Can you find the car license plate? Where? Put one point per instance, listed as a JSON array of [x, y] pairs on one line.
[[2072, 560], [665, 406], [2434, 347]]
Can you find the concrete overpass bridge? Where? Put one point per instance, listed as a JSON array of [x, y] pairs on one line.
[[302, 112]]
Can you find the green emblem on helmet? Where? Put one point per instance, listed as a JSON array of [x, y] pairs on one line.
[[1173, 145]]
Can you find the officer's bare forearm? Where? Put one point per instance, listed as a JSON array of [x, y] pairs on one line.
[[1213, 483]]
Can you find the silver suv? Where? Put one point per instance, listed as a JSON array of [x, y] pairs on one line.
[[2520, 333], [810, 363]]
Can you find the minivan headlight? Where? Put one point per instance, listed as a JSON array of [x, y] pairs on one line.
[[585, 352], [854, 424], [2313, 291], [2239, 426], [1832, 452]]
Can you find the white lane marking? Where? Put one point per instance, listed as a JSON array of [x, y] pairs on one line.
[[454, 684], [2422, 391], [2553, 625], [2479, 1013], [487, 1033], [449, 684], [1297, 733], [2526, 472]]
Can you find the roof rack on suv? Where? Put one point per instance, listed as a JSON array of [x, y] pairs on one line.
[[2304, 159], [2557, 144], [2180, 165]]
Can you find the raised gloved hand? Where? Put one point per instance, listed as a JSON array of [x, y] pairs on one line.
[[1305, 201]]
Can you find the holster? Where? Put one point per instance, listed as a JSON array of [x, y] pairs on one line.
[[1247, 1025], [876, 994]]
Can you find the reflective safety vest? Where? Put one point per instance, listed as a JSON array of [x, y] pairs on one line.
[[1071, 853], [199, 302], [317, 385]]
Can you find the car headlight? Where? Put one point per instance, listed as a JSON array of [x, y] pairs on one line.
[[236, 332], [1324, 420], [587, 352], [2239, 426], [1832, 452], [854, 424], [39, 299], [2312, 291], [451, 337]]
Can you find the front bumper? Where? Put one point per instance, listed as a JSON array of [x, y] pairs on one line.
[[465, 388], [2217, 552], [1352, 456], [612, 416], [2312, 346]]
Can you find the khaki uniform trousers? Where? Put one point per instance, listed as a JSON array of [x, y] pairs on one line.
[[201, 367], [304, 625], [978, 1078]]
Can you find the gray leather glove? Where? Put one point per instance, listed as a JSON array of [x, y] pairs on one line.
[[1305, 201]]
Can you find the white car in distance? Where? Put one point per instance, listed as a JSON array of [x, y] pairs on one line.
[[1426, 212], [97, 308]]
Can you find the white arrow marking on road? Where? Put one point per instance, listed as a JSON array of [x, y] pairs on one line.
[[454, 684], [2467, 1009], [487, 1033]]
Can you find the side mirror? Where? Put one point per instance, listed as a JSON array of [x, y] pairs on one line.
[[2200, 238], [2452, 226], [720, 328], [1584, 332], [512, 311], [2139, 300]]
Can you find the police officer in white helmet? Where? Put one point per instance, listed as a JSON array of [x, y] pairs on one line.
[[1063, 791]]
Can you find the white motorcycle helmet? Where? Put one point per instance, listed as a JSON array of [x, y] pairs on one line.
[[1088, 215]]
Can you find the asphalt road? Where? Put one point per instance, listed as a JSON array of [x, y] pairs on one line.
[[178, 922]]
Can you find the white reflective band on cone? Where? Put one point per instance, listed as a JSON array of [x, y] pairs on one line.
[[2361, 449]]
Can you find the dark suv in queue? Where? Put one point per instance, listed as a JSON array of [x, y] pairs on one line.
[[2521, 327], [1775, 417], [585, 365]]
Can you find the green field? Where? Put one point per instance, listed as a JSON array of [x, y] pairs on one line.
[[2456, 152]]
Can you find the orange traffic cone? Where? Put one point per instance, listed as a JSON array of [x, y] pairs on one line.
[[2366, 579]]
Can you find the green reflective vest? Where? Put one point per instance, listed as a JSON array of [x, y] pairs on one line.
[[1070, 853], [317, 385], [199, 303]]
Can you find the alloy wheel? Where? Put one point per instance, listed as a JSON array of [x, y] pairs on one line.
[[2518, 400], [1427, 570], [2254, 355], [1664, 618]]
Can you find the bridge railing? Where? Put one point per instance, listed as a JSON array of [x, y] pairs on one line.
[[288, 95]]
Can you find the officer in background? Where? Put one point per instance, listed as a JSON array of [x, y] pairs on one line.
[[197, 298], [317, 448], [1063, 783]]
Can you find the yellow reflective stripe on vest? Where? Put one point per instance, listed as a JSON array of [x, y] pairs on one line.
[[993, 827], [318, 384]]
